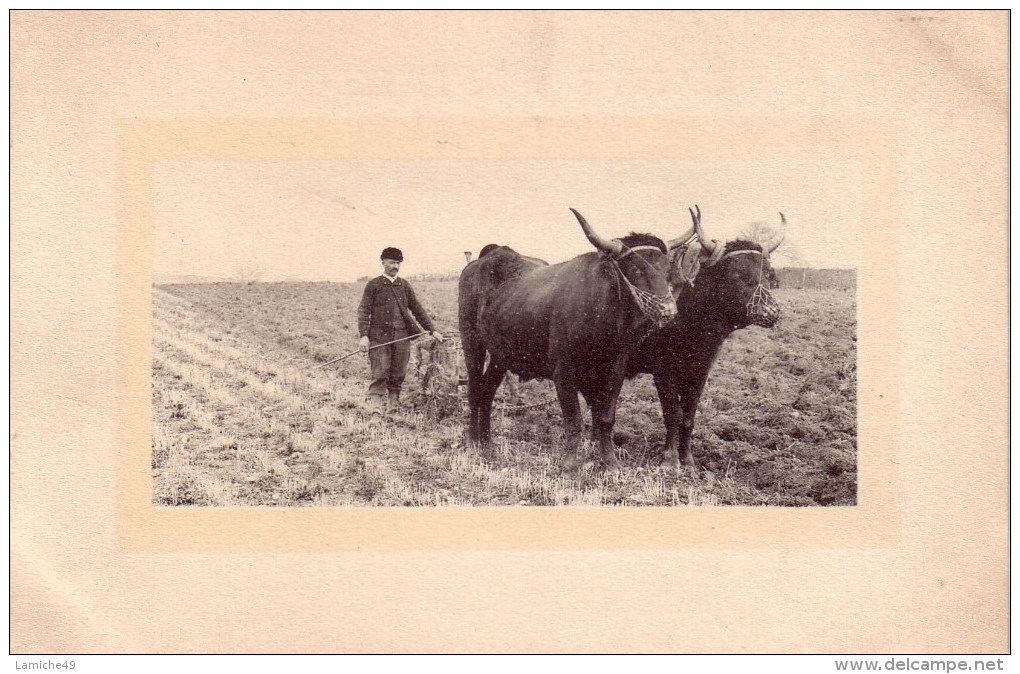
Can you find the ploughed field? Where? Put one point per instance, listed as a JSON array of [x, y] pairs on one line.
[[242, 417]]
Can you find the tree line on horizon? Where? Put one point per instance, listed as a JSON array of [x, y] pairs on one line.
[[788, 263]]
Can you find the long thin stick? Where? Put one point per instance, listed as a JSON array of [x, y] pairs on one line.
[[336, 360]]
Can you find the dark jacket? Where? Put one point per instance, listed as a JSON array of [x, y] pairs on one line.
[[388, 311]]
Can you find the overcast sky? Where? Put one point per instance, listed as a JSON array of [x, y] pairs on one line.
[[329, 220]]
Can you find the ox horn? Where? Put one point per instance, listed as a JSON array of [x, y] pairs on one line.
[[774, 243], [680, 240], [612, 247], [708, 245]]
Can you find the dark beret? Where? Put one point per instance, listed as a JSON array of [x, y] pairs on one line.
[[392, 254]]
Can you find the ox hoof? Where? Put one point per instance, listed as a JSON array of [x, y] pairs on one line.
[[612, 465], [689, 468], [487, 451], [681, 467], [671, 461], [572, 464]]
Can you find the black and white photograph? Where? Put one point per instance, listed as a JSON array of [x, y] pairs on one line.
[[358, 332], [450, 333]]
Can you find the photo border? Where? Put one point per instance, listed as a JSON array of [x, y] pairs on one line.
[[872, 143]]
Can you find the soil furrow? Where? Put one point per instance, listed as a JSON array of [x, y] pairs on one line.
[[776, 425]]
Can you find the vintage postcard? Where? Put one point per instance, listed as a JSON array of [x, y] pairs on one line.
[[509, 332]]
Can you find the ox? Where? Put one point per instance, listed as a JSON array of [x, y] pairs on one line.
[[728, 293], [576, 323]]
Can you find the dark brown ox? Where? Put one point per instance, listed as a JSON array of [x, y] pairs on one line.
[[728, 293], [576, 323]]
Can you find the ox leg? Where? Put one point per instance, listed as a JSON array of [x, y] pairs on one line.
[[566, 392], [669, 400], [474, 360], [601, 431], [593, 405], [688, 408], [602, 397], [490, 381], [607, 416], [690, 387], [482, 384], [596, 404]]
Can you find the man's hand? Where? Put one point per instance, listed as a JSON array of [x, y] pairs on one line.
[[436, 335], [363, 344]]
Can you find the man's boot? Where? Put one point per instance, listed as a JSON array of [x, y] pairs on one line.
[[376, 404], [393, 402]]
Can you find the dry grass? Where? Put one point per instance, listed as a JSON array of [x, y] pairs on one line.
[[242, 417]]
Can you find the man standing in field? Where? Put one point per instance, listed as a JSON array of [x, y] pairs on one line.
[[386, 314]]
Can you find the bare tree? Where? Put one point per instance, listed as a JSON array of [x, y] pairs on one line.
[[247, 272], [787, 255]]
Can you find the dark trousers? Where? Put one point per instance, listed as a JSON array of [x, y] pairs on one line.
[[389, 366]]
